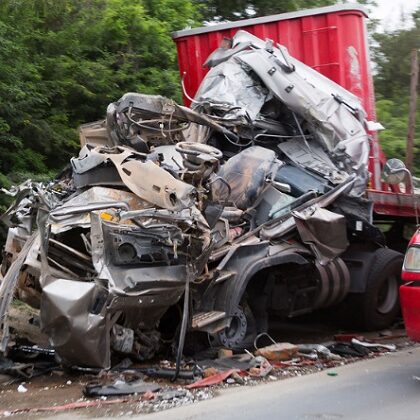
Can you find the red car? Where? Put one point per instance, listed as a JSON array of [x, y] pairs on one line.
[[410, 291]]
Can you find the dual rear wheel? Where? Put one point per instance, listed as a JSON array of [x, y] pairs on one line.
[[375, 309]]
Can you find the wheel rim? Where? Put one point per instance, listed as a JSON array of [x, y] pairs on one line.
[[387, 295], [236, 332]]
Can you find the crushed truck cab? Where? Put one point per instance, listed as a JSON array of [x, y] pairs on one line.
[[176, 222]]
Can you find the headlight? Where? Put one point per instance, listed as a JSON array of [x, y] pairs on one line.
[[127, 252], [412, 259]]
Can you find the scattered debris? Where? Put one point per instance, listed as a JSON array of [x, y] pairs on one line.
[[236, 361], [22, 389], [120, 387], [278, 351], [346, 349], [211, 371], [224, 353], [348, 337], [168, 373], [332, 373], [212, 380], [260, 367], [389, 347], [318, 350], [170, 394]]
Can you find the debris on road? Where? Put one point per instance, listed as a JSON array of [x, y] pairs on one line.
[[224, 353], [22, 389], [212, 380], [119, 387], [376, 346], [318, 350], [261, 367], [278, 351], [345, 349], [332, 373], [347, 337]]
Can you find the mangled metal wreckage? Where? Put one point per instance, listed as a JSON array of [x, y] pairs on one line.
[[174, 220]]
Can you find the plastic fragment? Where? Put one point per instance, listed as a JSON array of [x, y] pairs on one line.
[[21, 388], [390, 347], [212, 380]]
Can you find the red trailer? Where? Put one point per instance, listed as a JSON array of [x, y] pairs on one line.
[[331, 40]]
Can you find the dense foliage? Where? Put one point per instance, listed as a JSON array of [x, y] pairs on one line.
[[392, 82], [221, 10], [62, 62]]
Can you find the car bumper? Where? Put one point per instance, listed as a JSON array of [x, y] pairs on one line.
[[410, 306]]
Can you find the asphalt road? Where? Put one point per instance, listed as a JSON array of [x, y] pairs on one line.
[[383, 388]]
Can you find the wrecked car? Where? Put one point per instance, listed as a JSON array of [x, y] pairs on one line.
[[409, 290], [176, 222]]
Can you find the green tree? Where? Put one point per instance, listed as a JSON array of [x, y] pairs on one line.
[[221, 10], [392, 57], [392, 52], [62, 62]]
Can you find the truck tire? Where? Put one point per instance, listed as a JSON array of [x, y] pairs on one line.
[[378, 306]]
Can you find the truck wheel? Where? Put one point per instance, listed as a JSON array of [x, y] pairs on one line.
[[242, 330], [378, 307]]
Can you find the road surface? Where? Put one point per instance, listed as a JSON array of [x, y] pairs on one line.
[[382, 388]]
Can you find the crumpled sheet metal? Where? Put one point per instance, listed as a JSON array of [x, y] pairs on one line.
[[123, 278], [246, 174], [69, 218], [7, 290], [79, 336], [94, 133], [144, 178], [164, 112], [142, 293], [311, 75], [133, 245], [313, 158], [89, 158], [333, 115], [119, 387], [324, 231], [228, 84], [335, 123], [22, 209], [285, 224]]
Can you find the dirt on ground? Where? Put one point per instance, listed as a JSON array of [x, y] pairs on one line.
[[59, 390]]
